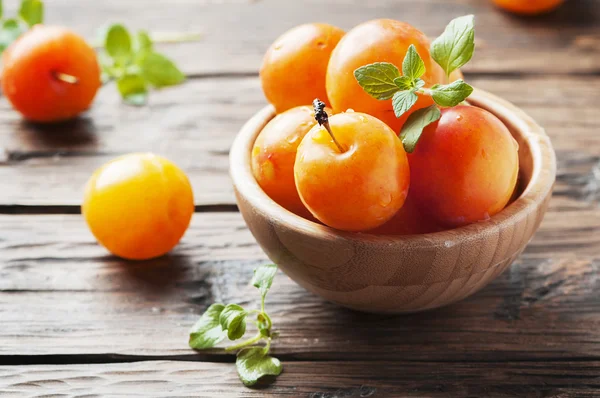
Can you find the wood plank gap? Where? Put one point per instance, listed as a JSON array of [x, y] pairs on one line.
[[75, 209], [15, 156], [499, 75], [216, 356], [470, 74]]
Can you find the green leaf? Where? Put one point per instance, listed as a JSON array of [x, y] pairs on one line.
[[118, 42], [451, 94], [419, 83], [9, 32], [413, 66], [403, 101], [233, 319], [253, 363], [143, 42], [263, 321], [404, 83], [133, 89], [455, 46], [1, 9], [159, 70], [207, 332], [378, 79], [263, 278], [32, 12], [416, 122]]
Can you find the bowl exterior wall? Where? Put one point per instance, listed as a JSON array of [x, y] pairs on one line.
[[392, 277]]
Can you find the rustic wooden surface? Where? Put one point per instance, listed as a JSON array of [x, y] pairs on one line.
[[74, 317]]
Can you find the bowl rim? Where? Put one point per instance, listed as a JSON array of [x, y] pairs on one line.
[[533, 196]]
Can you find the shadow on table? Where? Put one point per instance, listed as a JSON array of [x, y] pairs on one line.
[[79, 132], [155, 277]]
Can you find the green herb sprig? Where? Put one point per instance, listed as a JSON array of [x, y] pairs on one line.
[[135, 65], [229, 321], [383, 81], [31, 12]]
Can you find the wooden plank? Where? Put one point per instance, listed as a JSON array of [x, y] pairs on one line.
[[315, 380], [194, 125], [237, 32], [61, 294]]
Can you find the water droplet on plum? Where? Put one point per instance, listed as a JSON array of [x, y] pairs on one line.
[[386, 200]]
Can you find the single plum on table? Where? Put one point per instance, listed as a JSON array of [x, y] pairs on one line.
[[528, 7], [138, 206], [50, 74]]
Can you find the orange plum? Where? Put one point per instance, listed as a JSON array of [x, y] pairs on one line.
[[274, 154], [293, 69], [359, 187], [382, 40], [465, 166]]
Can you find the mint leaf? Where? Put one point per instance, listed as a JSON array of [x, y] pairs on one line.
[[207, 332], [1, 9], [416, 122], [32, 12], [413, 66], [233, 319], [253, 363], [118, 42], [10, 31], [159, 70], [378, 79], [403, 101], [404, 82], [133, 89], [263, 278], [419, 83], [143, 42], [455, 46], [451, 94]]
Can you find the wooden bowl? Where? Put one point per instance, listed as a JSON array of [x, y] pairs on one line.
[[396, 274]]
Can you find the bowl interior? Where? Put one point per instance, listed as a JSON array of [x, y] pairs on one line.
[[536, 176]]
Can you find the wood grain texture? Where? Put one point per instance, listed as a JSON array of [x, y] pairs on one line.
[[52, 165], [236, 33], [61, 294], [307, 379], [532, 332]]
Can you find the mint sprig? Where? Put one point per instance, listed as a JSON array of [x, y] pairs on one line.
[[220, 321], [134, 64], [382, 80]]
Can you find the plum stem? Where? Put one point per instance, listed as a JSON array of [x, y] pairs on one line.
[[323, 119], [65, 77]]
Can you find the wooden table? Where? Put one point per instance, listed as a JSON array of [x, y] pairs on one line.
[[76, 321]]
